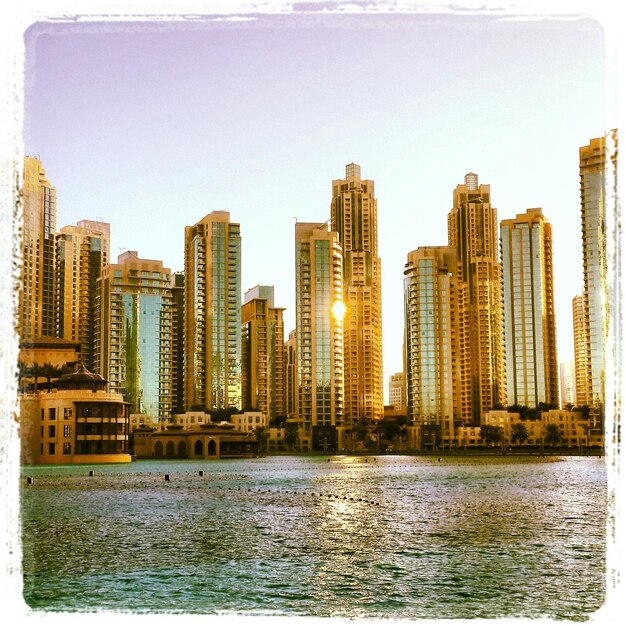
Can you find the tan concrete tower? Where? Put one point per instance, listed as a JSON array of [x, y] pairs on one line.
[[36, 308], [262, 353], [354, 218], [593, 197], [473, 232], [319, 335], [82, 252]]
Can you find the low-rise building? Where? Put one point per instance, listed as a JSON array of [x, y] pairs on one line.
[[204, 441], [249, 421], [78, 422]]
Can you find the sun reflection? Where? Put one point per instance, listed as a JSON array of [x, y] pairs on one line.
[[338, 310]]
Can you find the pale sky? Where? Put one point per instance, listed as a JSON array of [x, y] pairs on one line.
[[150, 126]]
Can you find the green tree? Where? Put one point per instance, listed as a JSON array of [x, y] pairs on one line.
[[262, 436], [49, 371], [552, 434], [23, 371], [36, 371], [519, 433], [291, 435], [359, 430], [491, 435]]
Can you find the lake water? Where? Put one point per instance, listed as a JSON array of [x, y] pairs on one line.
[[393, 536]]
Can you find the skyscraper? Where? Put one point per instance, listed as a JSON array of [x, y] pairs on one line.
[[36, 310], [429, 302], [82, 251], [291, 375], [473, 232], [354, 218], [397, 391], [178, 343], [133, 337], [530, 326], [319, 334], [567, 384], [262, 353], [581, 346], [593, 197], [213, 313]]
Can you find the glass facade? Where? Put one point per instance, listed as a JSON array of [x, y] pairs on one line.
[[530, 334], [428, 297], [212, 296], [319, 333], [135, 344]]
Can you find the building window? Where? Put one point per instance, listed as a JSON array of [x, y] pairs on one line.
[[67, 412], [51, 431], [67, 447], [51, 448], [52, 414], [67, 431]]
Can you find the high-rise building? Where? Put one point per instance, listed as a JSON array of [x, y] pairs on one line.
[[429, 303], [82, 251], [593, 198], [36, 309], [567, 384], [291, 375], [354, 218], [262, 353], [178, 344], [213, 313], [529, 321], [397, 391], [134, 333], [581, 346], [473, 232], [319, 333]]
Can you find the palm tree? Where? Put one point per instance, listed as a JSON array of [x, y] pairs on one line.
[[552, 434], [262, 436], [491, 434], [519, 433], [49, 371], [24, 370], [291, 435], [37, 372]]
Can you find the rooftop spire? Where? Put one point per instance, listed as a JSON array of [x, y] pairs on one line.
[[353, 170]]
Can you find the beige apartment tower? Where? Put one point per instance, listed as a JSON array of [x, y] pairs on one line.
[[262, 353], [212, 379], [36, 307], [593, 199], [134, 333], [473, 232], [82, 252], [397, 391], [582, 392], [530, 326], [430, 297], [354, 218], [319, 335]]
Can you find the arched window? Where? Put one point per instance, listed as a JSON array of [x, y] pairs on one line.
[[197, 448], [158, 448], [182, 449], [212, 448], [169, 449]]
